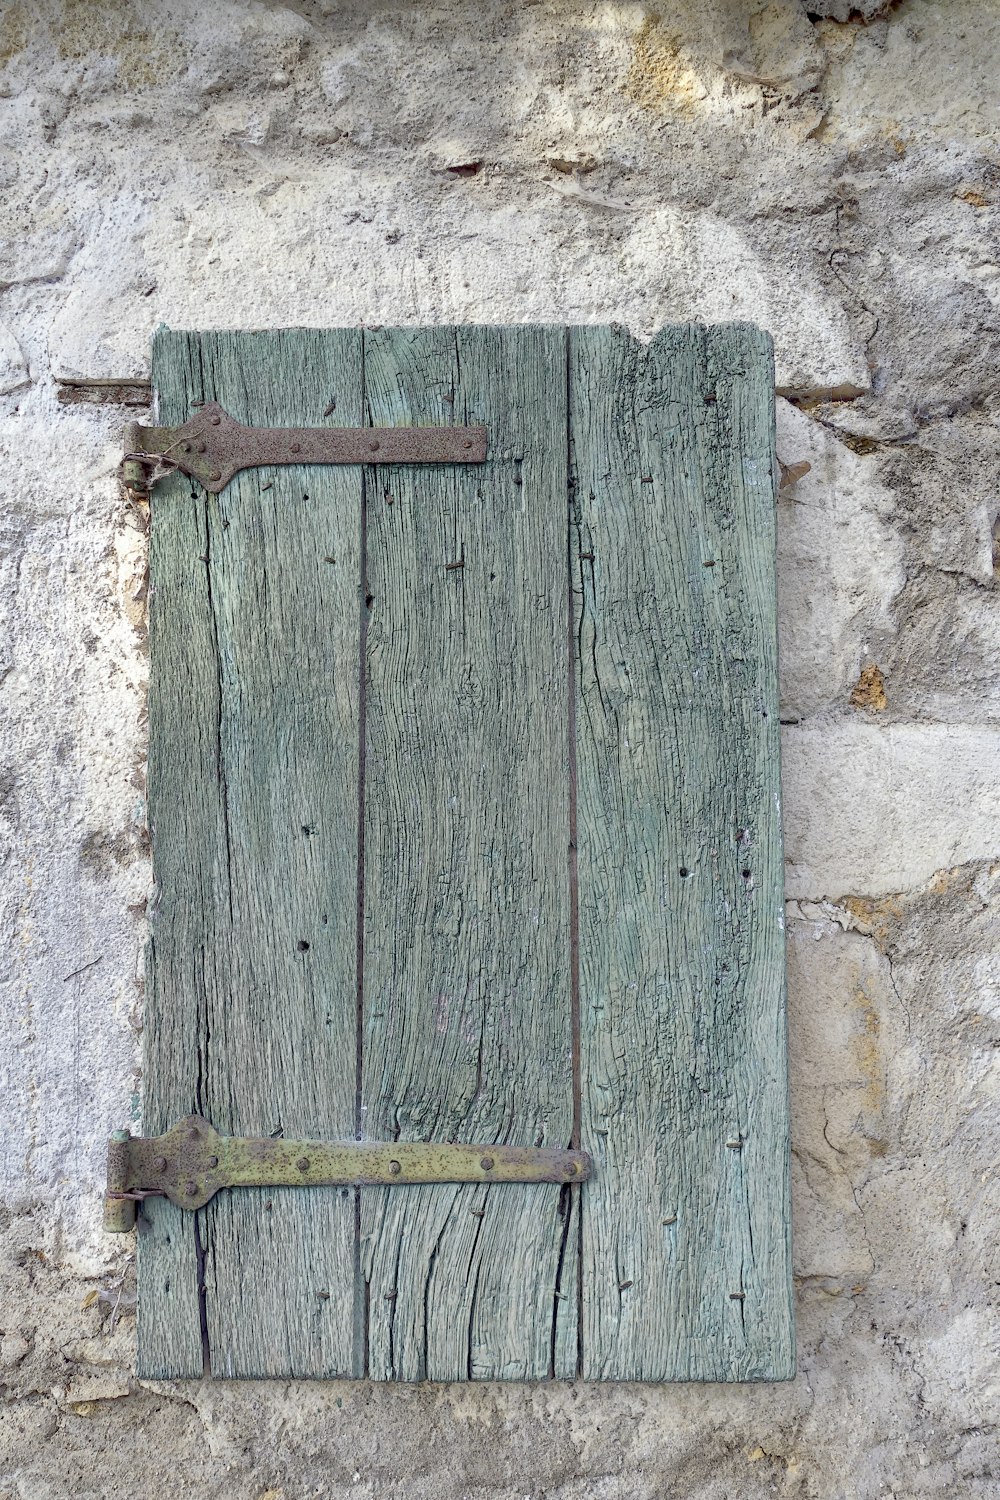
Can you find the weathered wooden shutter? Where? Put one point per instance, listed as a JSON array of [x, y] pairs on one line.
[[463, 792]]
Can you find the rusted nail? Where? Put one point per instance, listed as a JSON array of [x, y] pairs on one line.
[[645, 478], [303, 1163], [448, 566], [391, 1296], [323, 1296], [623, 1286], [737, 1296], [331, 408], [736, 1145], [710, 398], [586, 557], [478, 1213], [709, 564], [671, 1220], [268, 486]]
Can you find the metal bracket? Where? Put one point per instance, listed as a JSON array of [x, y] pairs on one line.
[[212, 446], [193, 1161]]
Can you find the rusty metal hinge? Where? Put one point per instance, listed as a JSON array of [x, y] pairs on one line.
[[192, 1161], [212, 446]]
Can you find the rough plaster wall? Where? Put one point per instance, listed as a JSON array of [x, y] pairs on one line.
[[266, 164]]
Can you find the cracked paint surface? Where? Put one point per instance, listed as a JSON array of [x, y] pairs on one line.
[[317, 163]]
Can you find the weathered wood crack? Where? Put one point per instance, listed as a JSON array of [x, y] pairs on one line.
[[463, 785]]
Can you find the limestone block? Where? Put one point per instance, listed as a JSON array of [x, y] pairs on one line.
[[871, 810], [13, 366], [839, 566], [844, 1024]]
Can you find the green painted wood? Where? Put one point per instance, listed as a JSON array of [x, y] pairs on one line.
[[252, 977], [483, 725], [686, 1255], [467, 992]]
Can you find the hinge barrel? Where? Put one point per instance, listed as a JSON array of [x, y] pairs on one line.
[[192, 1162]]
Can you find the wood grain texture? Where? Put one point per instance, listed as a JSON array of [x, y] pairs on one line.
[[251, 1001], [686, 1254], [445, 672], [467, 1019]]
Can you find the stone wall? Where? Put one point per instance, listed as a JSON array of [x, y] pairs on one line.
[[830, 171]]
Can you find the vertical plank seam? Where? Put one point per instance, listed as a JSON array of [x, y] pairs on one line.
[[203, 1030], [361, 1291], [573, 875]]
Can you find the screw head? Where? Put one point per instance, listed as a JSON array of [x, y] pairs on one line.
[[303, 1163], [160, 1163], [296, 447], [191, 1188], [199, 447], [395, 1168], [486, 1162], [215, 475], [213, 1161], [193, 1133], [215, 419], [374, 447]]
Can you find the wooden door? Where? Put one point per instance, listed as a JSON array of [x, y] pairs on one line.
[[464, 801]]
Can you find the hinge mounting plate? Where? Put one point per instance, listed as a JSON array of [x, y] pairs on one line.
[[212, 446], [192, 1162]]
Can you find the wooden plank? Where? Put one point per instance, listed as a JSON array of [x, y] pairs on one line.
[[686, 1255], [252, 982], [467, 1016]]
